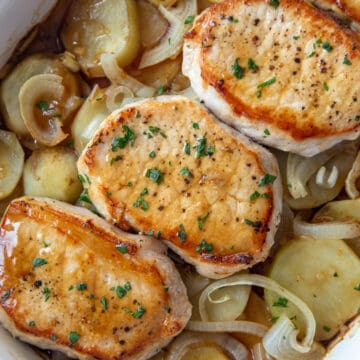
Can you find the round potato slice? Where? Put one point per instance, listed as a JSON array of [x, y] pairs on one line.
[[52, 172], [11, 162], [325, 274]]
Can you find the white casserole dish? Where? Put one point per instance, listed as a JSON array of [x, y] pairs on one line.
[[17, 17]]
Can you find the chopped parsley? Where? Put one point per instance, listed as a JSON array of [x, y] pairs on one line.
[[31, 323], [346, 61], [120, 291], [267, 83], [202, 149], [189, 19], [46, 292], [43, 106], [120, 142], [274, 3], [84, 196], [53, 337], [127, 286], [152, 154], [145, 191], [325, 86], [160, 90], [267, 179], [167, 308], [252, 66], [182, 233], [84, 179], [108, 193], [238, 71], [81, 287], [185, 172], [6, 295], [136, 314], [281, 302], [335, 274], [74, 337], [115, 159], [130, 184], [37, 262], [274, 319], [138, 114], [204, 246], [121, 248], [357, 118], [327, 47], [266, 133], [357, 287], [187, 148], [104, 303], [326, 328], [255, 195], [195, 125], [296, 37], [155, 174], [201, 221]]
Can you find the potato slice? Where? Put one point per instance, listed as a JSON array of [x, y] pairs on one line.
[[30, 66], [93, 28], [88, 118], [11, 162], [325, 274], [52, 172]]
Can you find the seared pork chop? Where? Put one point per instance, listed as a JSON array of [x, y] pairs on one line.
[[167, 168], [69, 281], [284, 74]]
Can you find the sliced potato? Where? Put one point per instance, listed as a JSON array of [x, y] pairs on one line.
[[11, 162], [205, 352], [88, 118], [93, 28], [52, 172], [30, 66], [325, 274]]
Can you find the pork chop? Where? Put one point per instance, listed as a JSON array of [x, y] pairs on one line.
[[167, 168], [284, 73], [69, 281]]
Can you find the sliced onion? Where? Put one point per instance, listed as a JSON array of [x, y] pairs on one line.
[[330, 230], [171, 44], [118, 96], [247, 327], [189, 93], [118, 76], [351, 179], [11, 163], [281, 343], [220, 301], [182, 344], [330, 181], [269, 284], [259, 352]]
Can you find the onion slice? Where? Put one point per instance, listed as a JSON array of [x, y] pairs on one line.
[[351, 179], [248, 327], [182, 345], [118, 76], [330, 230], [171, 44], [281, 343]]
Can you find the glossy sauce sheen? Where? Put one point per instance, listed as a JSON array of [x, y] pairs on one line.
[[312, 63], [197, 197], [73, 285]]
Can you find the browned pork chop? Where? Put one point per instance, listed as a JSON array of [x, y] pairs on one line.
[[71, 282], [287, 75], [166, 167]]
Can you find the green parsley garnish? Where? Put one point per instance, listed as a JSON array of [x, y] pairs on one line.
[[189, 19], [185, 172], [281, 302], [274, 3], [335, 274], [137, 115], [187, 148], [74, 337], [130, 184], [266, 133], [326, 46], [136, 314], [81, 287], [201, 221], [155, 174], [84, 196], [46, 291], [84, 179], [127, 286], [120, 142], [152, 154], [267, 83], [6, 295], [43, 105], [120, 291], [252, 66], [346, 61], [121, 248], [31, 323], [267, 179], [202, 149], [255, 195], [115, 159], [274, 319], [325, 86], [204, 246], [142, 203], [53, 337], [167, 308], [104, 303], [357, 287], [326, 328], [296, 37], [108, 193], [160, 90], [195, 125], [37, 262], [238, 71], [181, 234]]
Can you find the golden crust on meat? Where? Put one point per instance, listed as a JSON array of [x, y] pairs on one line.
[[313, 65], [206, 176], [60, 269]]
